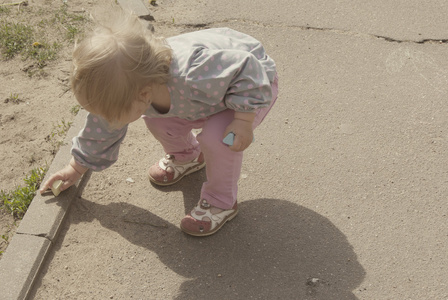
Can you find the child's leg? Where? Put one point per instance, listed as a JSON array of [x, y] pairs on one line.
[[218, 196], [175, 136], [223, 165]]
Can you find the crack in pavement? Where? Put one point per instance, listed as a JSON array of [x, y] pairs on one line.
[[424, 41], [44, 235], [310, 28]]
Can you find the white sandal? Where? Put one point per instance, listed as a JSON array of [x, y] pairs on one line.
[[201, 222], [167, 171]]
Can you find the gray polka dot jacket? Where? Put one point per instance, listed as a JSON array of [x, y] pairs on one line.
[[212, 70]]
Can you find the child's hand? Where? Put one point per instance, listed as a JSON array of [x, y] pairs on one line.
[[69, 176], [242, 128]]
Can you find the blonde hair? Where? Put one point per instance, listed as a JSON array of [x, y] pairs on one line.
[[112, 64]]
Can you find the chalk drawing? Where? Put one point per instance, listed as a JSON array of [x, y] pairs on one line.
[[406, 60]]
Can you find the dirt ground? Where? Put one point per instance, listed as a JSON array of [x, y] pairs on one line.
[[36, 103]]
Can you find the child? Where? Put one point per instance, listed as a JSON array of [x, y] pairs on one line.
[[217, 79]]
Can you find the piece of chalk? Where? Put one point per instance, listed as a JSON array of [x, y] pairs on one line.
[[56, 187], [228, 140]]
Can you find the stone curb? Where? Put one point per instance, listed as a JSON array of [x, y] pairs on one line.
[[38, 230]]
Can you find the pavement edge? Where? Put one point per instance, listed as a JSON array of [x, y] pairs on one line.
[[38, 229]]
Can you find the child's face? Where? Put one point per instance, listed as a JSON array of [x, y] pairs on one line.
[[139, 106], [137, 110]]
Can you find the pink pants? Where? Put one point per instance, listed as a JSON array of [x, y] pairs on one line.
[[223, 166]]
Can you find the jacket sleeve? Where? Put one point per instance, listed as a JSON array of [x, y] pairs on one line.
[[233, 77], [97, 144]]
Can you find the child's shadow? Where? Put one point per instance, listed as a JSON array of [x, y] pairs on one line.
[[274, 249], [190, 188]]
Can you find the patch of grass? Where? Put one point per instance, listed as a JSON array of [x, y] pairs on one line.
[[70, 22], [61, 128], [42, 52], [4, 10], [20, 39], [40, 43], [72, 31], [14, 38], [16, 202]]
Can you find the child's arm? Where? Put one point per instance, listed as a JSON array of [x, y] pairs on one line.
[[69, 176], [241, 126], [96, 147]]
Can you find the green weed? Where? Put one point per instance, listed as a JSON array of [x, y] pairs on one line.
[[4, 240], [14, 98], [61, 128], [56, 137], [16, 202], [75, 109], [4, 10]]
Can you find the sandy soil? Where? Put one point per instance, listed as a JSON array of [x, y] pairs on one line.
[[34, 108]]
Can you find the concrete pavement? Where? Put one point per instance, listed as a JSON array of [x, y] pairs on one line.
[[343, 194]]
